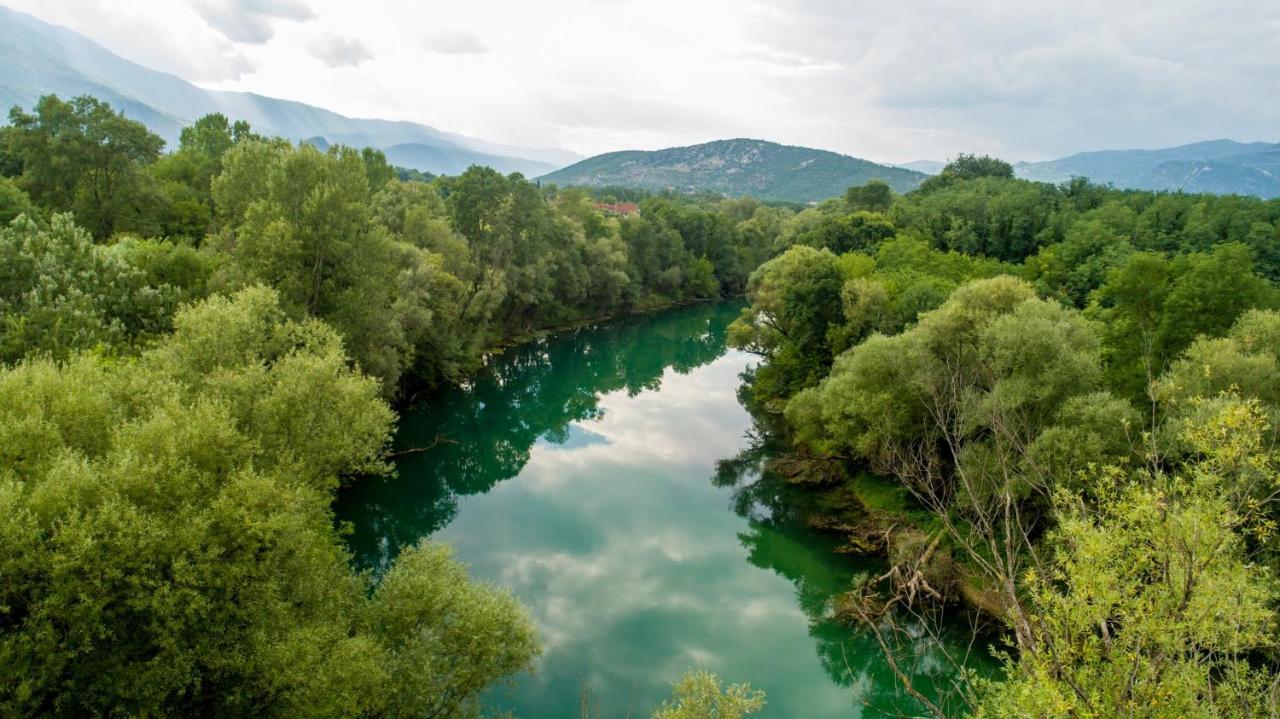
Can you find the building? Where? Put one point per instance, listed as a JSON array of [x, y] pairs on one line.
[[623, 209]]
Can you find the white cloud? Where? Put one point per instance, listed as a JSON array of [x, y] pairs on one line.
[[250, 21], [338, 51], [454, 42]]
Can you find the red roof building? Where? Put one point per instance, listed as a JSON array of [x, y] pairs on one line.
[[625, 209]]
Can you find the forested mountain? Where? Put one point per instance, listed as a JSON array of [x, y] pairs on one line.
[[765, 170], [1216, 166], [42, 59]]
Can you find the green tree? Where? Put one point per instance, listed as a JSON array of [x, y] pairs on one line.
[[795, 300], [1149, 606], [306, 231], [1151, 308], [83, 157], [14, 202], [701, 695], [875, 196], [60, 293], [861, 230], [167, 546]]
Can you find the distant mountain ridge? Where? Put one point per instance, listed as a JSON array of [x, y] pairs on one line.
[[759, 168], [928, 167], [1214, 166], [42, 59]]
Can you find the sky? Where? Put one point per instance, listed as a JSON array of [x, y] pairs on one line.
[[891, 81]]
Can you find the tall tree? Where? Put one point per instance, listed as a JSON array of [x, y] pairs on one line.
[[84, 157]]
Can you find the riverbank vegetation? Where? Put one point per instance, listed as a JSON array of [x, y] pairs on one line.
[[1072, 384], [1068, 393], [197, 348]]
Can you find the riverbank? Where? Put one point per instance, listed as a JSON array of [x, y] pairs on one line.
[[586, 477], [415, 398], [878, 517]]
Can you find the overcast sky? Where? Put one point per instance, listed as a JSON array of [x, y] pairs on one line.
[[892, 80]]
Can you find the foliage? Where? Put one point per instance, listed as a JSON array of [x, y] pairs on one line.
[[60, 293], [968, 167], [700, 695], [794, 297], [1152, 307], [83, 157], [168, 548], [1150, 606], [861, 230]]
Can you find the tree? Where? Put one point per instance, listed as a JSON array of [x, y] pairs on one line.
[[861, 230], [1072, 269], [83, 157], [60, 293], [187, 174], [700, 695], [875, 196], [1149, 606], [307, 232], [1151, 308], [14, 202], [795, 299], [168, 549]]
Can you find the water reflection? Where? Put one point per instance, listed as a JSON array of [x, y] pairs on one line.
[[776, 511], [574, 471], [482, 435]]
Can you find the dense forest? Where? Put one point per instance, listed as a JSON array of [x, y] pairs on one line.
[[199, 346], [1067, 398], [1067, 392]]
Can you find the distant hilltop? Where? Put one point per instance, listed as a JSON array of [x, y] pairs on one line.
[[762, 169], [1222, 167]]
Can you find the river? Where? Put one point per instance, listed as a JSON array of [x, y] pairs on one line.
[[609, 477]]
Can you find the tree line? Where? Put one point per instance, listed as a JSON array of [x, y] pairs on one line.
[[1077, 383], [1076, 387], [197, 347]]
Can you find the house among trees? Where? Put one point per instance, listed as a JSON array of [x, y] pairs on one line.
[[624, 209]]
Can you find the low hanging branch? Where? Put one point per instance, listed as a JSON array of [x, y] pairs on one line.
[[419, 450]]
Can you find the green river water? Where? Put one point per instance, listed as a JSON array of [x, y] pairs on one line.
[[581, 472]]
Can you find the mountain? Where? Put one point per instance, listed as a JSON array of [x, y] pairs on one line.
[[928, 167], [421, 155], [40, 59], [735, 167], [1215, 166]]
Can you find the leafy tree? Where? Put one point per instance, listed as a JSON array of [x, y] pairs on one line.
[[60, 293], [968, 167], [1151, 308], [83, 157], [14, 202], [309, 235], [861, 230], [700, 695], [875, 196], [1150, 606], [795, 298], [168, 546], [994, 216], [1072, 269]]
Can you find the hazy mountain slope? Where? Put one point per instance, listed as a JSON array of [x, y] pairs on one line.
[[735, 167], [928, 167], [1217, 166], [40, 59], [419, 155]]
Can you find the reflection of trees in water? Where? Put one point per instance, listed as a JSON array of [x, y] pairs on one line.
[[779, 539], [527, 393]]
